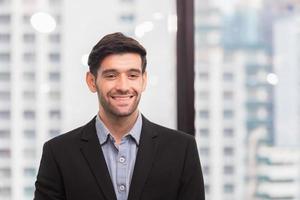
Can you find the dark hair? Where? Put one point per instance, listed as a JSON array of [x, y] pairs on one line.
[[115, 43]]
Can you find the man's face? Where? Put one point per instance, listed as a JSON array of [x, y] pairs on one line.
[[119, 84]]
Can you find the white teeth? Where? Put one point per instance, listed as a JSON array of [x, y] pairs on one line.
[[121, 97]]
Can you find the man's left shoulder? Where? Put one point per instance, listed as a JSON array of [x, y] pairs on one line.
[[169, 134]]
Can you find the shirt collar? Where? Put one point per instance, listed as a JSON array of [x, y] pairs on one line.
[[104, 134]]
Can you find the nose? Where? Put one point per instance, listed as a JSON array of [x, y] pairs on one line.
[[122, 83]]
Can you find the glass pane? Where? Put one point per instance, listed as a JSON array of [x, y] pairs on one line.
[[42, 74], [247, 62]]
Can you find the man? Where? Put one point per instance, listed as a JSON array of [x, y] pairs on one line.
[[119, 154]]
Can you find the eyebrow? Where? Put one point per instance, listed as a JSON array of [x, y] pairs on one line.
[[114, 71], [108, 71], [135, 70]]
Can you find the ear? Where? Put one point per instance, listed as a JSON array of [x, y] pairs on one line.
[[91, 82], [144, 76]]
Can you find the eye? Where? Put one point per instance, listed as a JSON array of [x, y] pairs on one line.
[[133, 75], [110, 76]]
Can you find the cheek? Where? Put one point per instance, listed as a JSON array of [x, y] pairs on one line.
[[104, 87], [138, 87]]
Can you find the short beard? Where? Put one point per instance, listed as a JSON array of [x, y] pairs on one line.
[[109, 109]]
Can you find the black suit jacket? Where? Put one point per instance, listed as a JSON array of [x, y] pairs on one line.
[[167, 167]]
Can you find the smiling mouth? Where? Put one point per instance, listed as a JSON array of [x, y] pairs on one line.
[[122, 97]]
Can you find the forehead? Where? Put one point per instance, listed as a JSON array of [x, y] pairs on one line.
[[121, 62]]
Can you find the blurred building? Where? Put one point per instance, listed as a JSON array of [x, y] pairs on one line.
[[42, 76], [234, 97], [287, 95], [219, 104], [30, 93], [273, 157], [278, 173]]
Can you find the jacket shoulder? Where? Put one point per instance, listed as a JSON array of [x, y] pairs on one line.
[[66, 137], [169, 133], [71, 136]]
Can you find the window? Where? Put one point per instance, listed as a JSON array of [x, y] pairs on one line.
[[228, 114], [5, 19], [3, 2], [203, 95], [29, 153], [54, 132], [4, 134], [228, 132], [55, 2], [54, 114], [5, 95], [29, 172], [4, 114], [54, 57], [228, 151], [228, 169], [29, 76], [5, 172], [4, 153], [29, 134], [54, 76], [127, 18], [29, 95], [4, 57], [54, 95], [227, 76], [29, 37], [203, 114], [29, 114], [26, 19], [54, 38], [5, 190], [204, 132], [28, 191], [4, 38], [228, 188], [4, 76], [207, 188], [57, 18], [245, 56], [29, 56], [205, 169], [228, 95], [128, 1], [29, 2], [203, 76], [204, 151]]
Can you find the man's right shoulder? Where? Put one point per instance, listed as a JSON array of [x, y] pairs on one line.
[[75, 134], [70, 136], [67, 137]]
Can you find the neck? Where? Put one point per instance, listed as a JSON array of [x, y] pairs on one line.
[[118, 126]]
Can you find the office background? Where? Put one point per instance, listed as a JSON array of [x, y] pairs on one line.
[[225, 71]]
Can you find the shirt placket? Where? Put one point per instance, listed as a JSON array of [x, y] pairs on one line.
[[122, 168]]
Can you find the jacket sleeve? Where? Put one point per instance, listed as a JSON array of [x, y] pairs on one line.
[[49, 183], [192, 185]]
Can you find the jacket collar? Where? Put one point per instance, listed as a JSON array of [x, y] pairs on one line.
[[91, 150]]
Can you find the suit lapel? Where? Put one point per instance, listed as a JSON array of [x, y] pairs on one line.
[[144, 160], [91, 150]]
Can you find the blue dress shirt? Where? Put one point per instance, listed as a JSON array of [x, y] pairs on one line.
[[120, 159]]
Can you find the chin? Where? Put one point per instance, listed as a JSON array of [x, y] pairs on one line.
[[123, 113]]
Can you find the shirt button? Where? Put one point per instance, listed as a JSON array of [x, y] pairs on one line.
[[122, 159], [122, 187]]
